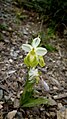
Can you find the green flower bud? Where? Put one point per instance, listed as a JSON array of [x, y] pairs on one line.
[[31, 59]]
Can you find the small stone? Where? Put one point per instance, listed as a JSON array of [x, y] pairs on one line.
[[12, 99], [25, 32], [1, 102], [1, 94], [42, 109], [1, 106], [52, 114], [60, 105], [47, 114], [11, 71], [16, 103], [55, 82], [52, 102], [60, 96], [1, 114], [55, 88], [10, 60], [6, 97], [62, 114], [66, 73], [3, 32], [11, 114], [10, 29], [21, 56]]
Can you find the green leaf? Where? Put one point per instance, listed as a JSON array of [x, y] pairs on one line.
[[34, 102], [26, 47], [41, 51], [29, 85], [50, 47], [3, 26], [36, 42], [28, 92], [41, 61]]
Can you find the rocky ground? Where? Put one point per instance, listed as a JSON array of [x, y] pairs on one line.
[[18, 26]]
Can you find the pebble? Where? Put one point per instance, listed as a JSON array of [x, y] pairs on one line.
[[52, 102], [1, 94], [1, 106], [55, 88], [11, 71], [42, 109], [3, 32], [60, 105], [66, 73], [10, 60], [10, 29], [16, 103], [52, 114], [47, 114], [25, 32], [60, 96], [55, 82], [11, 114]]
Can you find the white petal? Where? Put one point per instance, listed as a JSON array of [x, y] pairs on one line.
[[41, 51], [33, 72], [26, 47], [36, 42]]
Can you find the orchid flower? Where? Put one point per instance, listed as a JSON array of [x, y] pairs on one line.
[[35, 53], [39, 50]]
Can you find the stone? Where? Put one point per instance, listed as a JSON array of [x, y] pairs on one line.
[[60, 105], [1, 106], [62, 114], [55, 88], [1, 94], [16, 103], [52, 114], [60, 96], [11, 114], [52, 102]]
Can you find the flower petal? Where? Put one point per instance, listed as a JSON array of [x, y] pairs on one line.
[[41, 51], [26, 47], [41, 61], [36, 42], [33, 72]]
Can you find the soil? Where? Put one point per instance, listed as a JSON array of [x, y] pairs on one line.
[[18, 26]]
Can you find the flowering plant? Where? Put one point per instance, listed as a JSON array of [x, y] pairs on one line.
[[33, 58], [35, 55]]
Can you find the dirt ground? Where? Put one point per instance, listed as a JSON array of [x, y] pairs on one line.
[[13, 33]]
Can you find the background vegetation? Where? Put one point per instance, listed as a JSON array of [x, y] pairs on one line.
[[53, 12]]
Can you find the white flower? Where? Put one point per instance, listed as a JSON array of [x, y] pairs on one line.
[[33, 73], [39, 50]]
